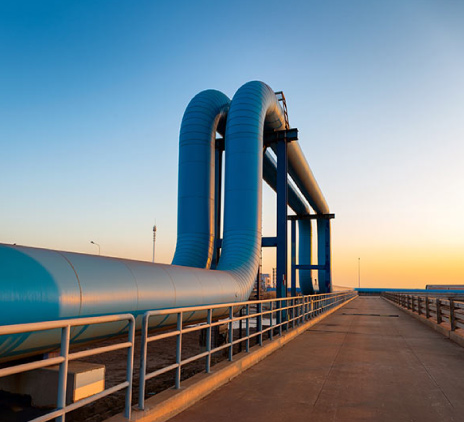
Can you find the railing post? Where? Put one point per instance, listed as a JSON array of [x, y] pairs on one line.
[[209, 319], [247, 343], [260, 325], [179, 350], [427, 310], [63, 373], [231, 333], [419, 305], [143, 361], [452, 316], [130, 369], [302, 309], [438, 311], [293, 312], [271, 315]]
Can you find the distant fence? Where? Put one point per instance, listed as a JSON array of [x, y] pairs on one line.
[[378, 291], [442, 311]]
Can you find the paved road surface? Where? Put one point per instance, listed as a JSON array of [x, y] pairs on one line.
[[369, 361]]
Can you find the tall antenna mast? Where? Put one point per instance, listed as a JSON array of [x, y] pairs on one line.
[[154, 241]]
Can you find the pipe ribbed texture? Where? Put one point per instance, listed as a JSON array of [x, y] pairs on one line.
[[253, 107], [195, 212]]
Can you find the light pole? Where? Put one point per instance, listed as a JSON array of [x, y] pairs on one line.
[[359, 273], [96, 244], [154, 241]]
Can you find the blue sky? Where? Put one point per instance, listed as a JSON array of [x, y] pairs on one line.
[[92, 95]]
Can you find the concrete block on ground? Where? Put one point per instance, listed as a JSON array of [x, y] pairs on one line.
[[84, 380]]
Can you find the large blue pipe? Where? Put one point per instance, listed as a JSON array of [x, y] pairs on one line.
[[205, 115], [254, 107], [39, 284]]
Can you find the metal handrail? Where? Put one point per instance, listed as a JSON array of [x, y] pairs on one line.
[[287, 313], [449, 311], [283, 314], [65, 356]]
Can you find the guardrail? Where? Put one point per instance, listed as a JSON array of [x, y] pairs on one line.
[[262, 319], [65, 356], [279, 314], [449, 311]]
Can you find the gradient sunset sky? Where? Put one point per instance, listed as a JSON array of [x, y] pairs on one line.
[[92, 95]]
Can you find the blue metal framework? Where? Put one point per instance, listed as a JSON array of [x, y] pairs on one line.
[[282, 138], [282, 201], [324, 251]]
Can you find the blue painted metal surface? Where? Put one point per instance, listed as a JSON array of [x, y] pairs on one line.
[[282, 201], [205, 114], [38, 284], [295, 200], [305, 255], [293, 257], [324, 255], [254, 107], [299, 170], [297, 204]]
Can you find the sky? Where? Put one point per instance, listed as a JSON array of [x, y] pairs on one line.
[[92, 96]]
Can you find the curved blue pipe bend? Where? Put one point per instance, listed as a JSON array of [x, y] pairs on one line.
[[78, 285], [205, 114]]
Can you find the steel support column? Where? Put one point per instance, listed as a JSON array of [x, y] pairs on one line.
[[293, 258], [282, 196], [323, 255]]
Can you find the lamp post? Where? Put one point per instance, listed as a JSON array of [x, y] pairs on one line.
[[359, 273], [96, 244], [154, 241]]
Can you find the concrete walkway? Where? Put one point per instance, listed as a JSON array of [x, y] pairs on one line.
[[369, 361]]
